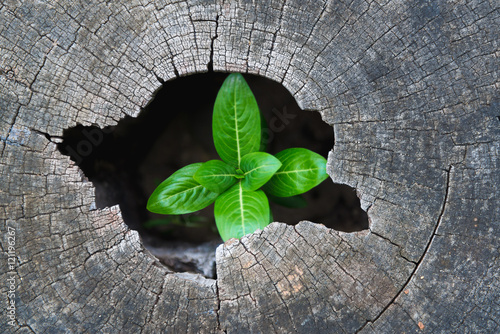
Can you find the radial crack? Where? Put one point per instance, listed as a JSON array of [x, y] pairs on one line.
[[210, 65]]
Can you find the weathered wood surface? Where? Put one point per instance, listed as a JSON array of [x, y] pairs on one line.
[[411, 90]]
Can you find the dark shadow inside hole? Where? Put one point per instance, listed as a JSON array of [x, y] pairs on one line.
[[127, 161]]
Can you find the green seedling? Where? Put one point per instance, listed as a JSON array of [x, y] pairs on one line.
[[242, 180]]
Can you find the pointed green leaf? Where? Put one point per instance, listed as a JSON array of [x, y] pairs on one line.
[[259, 167], [180, 193], [236, 120], [239, 212], [301, 170], [216, 176]]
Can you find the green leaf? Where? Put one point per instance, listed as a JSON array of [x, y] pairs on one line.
[[236, 120], [301, 170], [216, 176], [259, 167], [239, 212], [180, 193], [293, 202]]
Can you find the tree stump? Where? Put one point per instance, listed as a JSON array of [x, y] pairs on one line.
[[411, 91]]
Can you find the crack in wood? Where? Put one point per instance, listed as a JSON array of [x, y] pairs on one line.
[[210, 65], [394, 244], [420, 261], [275, 35]]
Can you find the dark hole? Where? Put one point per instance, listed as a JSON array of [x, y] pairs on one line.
[[127, 161]]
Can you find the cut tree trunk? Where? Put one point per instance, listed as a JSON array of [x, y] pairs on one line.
[[411, 91]]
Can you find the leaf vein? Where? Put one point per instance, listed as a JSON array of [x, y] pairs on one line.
[[296, 171]]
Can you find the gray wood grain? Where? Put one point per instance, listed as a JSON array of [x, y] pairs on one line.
[[411, 91]]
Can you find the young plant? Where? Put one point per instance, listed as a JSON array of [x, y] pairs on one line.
[[242, 180]]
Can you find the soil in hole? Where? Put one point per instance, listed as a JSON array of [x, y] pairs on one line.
[[126, 163]]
